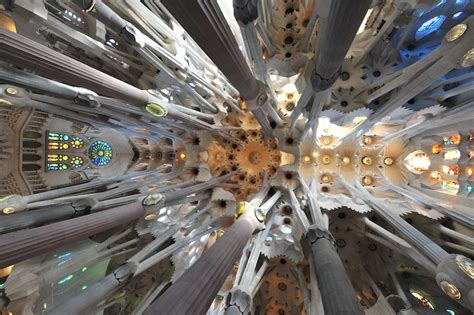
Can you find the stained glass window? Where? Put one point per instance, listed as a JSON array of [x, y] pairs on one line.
[[468, 188], [61, 141], [77, 162], [430, 26], [58, 146], [423, 298], [437, 5], [435, 175], [57, 157], [450, 186], [452, 155], [77, 143], [61, 161], [65, 279], [436, 149], [451, 170], [468, 171], [417, 162], [58, 166], [57, 136], [100, 153], [452, 140]]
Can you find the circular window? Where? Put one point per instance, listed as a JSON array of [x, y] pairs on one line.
[[100, 153]]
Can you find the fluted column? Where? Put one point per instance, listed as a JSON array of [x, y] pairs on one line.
[[24, 52], [195, 290], [337, 32], [35, 82], [206, 26], [454, 272], [86, 301], [337, 293], [241, 302], [21, 245], [26, 219], [413, 236]]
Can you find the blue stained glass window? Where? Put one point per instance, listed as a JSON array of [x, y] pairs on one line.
[[100, 153], [437, 5], [57, 136], [58, 166], [468, 188], [65, 279], [457, 14], [430, 26]]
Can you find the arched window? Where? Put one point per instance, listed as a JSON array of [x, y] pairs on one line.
[[71, 152], [31, 134], [423, 298], [31, 157], [30, 167], [452, 155], [452, 140], [31, 144], [450, 170], [58, 166], [436, 149], [417, 162], [430, 26], [450, 186]]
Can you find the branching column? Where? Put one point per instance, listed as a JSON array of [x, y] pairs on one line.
[[432, 250], [213, 35], [195, 290], [21, 245], [338, 29], [86, 302], [337, 293], [26, 219], [24, 52], [454, 274]]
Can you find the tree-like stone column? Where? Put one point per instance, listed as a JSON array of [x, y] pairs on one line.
[[412, 235], [195, 290], [86, 301], [337, 293], [26, 219], [21, 245], [202, 21], [337, 31], [24, 52], [454, 273]]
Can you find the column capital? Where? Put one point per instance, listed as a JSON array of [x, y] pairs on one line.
[[455, 277], [240, 302], [253, 214], [315, 233]]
